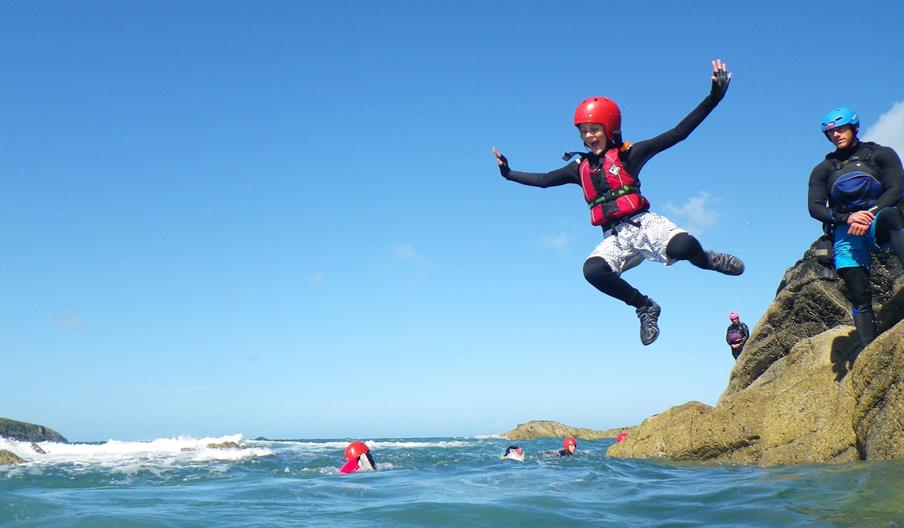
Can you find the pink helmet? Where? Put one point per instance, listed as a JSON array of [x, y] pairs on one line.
[[733, 315]]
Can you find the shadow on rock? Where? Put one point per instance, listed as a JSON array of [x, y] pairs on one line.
[[845, 349]]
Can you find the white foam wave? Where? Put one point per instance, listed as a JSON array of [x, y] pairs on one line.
[[131, 457], [488, 437], [331, 445]]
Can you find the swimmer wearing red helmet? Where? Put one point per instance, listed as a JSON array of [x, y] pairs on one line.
[[569, 447], [359, 458]]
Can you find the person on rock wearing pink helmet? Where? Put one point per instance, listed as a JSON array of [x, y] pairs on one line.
[[358, 458], [737, 334], [609, 174]]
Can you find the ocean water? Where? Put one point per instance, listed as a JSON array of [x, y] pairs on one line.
[[179, 482]]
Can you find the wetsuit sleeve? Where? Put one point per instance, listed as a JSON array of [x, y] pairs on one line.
[[818, 195], [746, 332], [642, 151], [727, 333], [567, 174], [890, 175]]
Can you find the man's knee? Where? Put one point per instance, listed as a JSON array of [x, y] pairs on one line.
[[598, 271], [683, 246], [856, 279]]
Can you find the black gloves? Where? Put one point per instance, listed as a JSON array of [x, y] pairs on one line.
[[720, 85]]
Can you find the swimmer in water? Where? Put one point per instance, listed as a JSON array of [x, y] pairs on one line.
[[569, 447], [359, 458], [513, 453]]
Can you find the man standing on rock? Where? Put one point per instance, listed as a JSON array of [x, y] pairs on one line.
[[855, 193]]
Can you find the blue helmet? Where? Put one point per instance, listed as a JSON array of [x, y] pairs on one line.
[[838, 117]]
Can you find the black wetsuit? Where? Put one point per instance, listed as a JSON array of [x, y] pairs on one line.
[[739, 329], [890, 171], [633, 159], [889, 226], [682, 246], [565, 452]]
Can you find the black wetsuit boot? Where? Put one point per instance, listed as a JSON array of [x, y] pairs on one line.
[[649, 321], [866, 325], [724, 263]]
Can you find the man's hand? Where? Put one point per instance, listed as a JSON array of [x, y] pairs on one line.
[[502, 162], [860, 222], [721, 78]]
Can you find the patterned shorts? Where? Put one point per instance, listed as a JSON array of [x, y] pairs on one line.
[[628, 245]]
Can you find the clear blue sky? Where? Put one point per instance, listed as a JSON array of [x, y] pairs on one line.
[[283, 218]]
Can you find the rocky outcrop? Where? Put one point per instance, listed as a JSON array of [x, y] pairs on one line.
[[821, 400], [27, 432], [551, 429], [8, 457], [223, 445], [805, 306]]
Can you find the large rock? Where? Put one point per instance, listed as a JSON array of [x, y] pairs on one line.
[[551, 429], [28, 432], [821, 400], [805, 306], [8, 457]]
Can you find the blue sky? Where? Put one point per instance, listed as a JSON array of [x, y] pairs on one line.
[[283, 218]]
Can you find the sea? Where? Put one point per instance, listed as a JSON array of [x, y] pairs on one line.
[[458, 481]]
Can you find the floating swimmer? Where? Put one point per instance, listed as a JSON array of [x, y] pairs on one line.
[[359, 458], [609, 174], [569, 447], [513, 453]]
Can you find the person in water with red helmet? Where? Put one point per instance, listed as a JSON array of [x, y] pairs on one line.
[[737, 334], [569, 447], [358, 458], [609, 174]]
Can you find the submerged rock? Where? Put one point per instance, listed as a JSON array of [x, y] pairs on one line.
[[802, 391], [28, 432], [223, 445], [552, 429], [8, 457]]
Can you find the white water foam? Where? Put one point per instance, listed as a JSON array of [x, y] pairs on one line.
[[131, 457], [332, 445]]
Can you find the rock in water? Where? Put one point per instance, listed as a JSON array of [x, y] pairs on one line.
[[223, 445], [8, 457], [552, 429], [805, 306], [802, 391]]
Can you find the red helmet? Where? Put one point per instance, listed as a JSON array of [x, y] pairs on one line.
[[355, 449], [569, 442], [599, 110]]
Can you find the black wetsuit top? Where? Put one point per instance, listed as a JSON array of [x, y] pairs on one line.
[[890, 175], [633, 159], [565, 452], [739, 328]]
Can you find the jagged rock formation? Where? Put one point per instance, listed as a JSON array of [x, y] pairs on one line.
[[802, 391], [28, 432], [551, 429], [223, 445], [8, 457]]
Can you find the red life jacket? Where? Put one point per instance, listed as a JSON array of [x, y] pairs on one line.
[[610, 191]]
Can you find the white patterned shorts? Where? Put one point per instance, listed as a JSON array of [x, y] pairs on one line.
[[628, 245]]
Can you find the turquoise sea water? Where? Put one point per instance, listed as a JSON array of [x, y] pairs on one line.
[[425, 482]]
